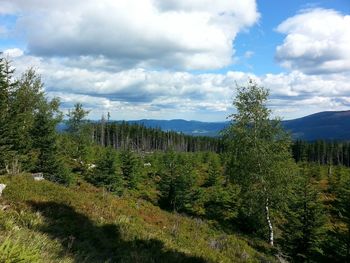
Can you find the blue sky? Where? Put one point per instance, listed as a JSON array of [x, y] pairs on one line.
[[166, 59]]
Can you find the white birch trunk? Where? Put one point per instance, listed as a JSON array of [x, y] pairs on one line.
[[269, 221]]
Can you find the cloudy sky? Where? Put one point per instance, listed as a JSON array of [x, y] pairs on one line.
[[166, 59]]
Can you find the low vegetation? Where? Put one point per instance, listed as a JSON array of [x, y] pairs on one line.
[[46, 222]]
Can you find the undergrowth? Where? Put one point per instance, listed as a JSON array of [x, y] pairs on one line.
[[46, 222]]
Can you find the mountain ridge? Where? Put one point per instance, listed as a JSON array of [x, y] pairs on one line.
[[327, 125]]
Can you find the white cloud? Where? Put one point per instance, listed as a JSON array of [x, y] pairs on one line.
[[148, 33], [141, 93], [317, 42], [13, 52]]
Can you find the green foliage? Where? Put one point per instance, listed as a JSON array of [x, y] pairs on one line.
[[213, 171], [44, 141], [12, 251], [222, 203], [79, 141], [130, 167], [6, 91], [304, 230], [76, 119], [106, 172], [28, 138], [260, 159], [183, 191], [337, 246]]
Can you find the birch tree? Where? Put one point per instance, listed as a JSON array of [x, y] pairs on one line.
[[261, 160]]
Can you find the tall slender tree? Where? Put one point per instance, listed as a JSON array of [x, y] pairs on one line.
[[261, 158], [6, 93], [81, 135]]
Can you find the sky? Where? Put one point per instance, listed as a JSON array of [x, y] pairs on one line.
[[182, 59]]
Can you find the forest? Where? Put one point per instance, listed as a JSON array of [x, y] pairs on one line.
[[290, 199]]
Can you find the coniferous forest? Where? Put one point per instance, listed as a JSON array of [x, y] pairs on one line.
[[119, 192]]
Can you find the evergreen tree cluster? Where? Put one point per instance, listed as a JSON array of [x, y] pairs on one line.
[[123, 135], [322, 152], [28, 138]]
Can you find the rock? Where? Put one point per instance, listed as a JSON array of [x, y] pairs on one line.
[[2, 187], [38, 176], [91, 166]]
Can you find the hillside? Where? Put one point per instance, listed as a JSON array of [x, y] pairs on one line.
[[187, 127], [47, 222], [328, 125]]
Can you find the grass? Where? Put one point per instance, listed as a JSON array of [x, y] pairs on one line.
[[46, 222]]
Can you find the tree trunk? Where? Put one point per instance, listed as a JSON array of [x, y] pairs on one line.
[[269, 221]]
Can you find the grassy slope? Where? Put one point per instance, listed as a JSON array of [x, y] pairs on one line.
[[46, 222]]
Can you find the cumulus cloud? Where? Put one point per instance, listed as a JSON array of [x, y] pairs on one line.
[[141, 93], [130, 57], [149, 33], [317, 42]]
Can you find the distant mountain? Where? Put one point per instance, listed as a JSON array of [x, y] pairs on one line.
[[327, 125], [197, 128]]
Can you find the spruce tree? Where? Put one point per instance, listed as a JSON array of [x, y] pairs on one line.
[[44, 141], [7, 86], [304, 230], [80, 134], [130, 168], [106, 172]]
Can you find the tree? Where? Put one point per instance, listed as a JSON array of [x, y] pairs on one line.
[[27, 124], [222, 202], [28, 100], [80, 135], [130, 168], [213, 171], [76, 118], [106, 173], [260, 158], [6, 92], [338, 249], [304, 229], [44, 141]]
